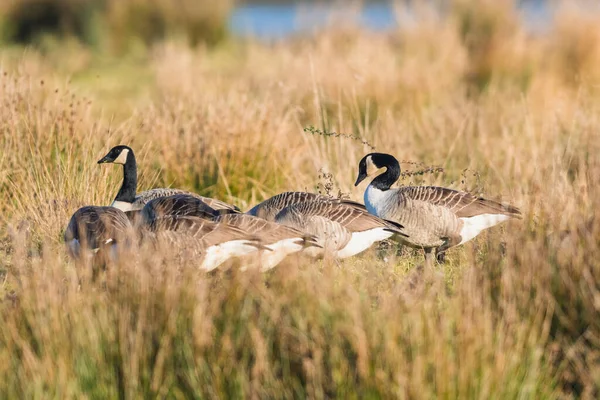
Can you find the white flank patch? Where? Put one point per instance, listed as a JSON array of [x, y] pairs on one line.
[[472, 226], [363, 240], [122, 205], [122, 159], [377, 200], [217, 255], [280, 250]]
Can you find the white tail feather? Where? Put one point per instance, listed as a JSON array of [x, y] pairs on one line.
[[472, 226], [280, 250], [363, 240], [218, 254]]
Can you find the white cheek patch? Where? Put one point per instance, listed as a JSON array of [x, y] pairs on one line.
[[122, 159], [372, 169]]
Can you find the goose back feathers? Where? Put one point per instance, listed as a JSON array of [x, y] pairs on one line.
[[145, 197], [179, 205], [269, 208], [342, 229]]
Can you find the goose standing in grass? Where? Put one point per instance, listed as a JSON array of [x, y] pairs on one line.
[[433, 217], [128, 200], [281, 240], [343, 229], [97, 230]]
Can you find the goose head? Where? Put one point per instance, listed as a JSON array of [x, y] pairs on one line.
[[372, 163], [117, 155]]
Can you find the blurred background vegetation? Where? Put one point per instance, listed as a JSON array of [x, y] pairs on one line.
[[114, 24]]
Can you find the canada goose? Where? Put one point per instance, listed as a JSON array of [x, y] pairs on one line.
[[95, 228], [127, 200], [433, 217], [280, 239], [211, 242], [343, 229]]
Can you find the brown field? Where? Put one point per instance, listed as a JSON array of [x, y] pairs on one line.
[[508, 114]]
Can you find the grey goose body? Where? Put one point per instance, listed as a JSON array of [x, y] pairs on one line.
[[128, 200], [433, 217], [343, 228]]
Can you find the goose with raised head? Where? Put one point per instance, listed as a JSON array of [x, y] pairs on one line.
[[208, 242], [94, 229], [280, 239], [433, 217], [128, 200], [343, 230]]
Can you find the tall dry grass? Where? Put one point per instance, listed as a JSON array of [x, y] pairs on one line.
[[514, 314]]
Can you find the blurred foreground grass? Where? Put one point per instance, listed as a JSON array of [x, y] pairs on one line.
[[513, 314]]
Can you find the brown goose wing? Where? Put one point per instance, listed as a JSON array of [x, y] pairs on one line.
[[355, 204], [269, 232], [218, 204], [245, 222], [349, 215], [177, 205], [304, 217], [269, 208], [145, 197], [463, 204], [208, 232]]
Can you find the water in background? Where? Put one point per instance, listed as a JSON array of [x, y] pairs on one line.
[[276, 21]]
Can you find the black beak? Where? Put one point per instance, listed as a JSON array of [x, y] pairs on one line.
[[104, 160], [361, 177]]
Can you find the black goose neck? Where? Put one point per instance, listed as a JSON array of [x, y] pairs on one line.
[[129, 186], [389, 177]]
